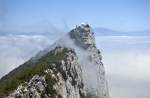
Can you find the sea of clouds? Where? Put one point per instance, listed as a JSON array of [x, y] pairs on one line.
[[127, 63]]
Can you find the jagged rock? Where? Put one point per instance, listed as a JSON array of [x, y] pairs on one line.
[[83, 35], [97, 87], [33, 89], [68, 80], [71, 68]]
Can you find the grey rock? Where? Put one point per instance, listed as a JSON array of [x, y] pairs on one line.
[[80, 75], [68, 85]]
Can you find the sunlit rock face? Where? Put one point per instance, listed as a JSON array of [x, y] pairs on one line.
[[70, 68], [59, 81]]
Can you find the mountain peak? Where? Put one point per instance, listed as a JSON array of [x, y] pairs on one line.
[[83, 35], [70, 68]]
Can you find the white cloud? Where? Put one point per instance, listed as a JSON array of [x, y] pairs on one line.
[[128, 74], [15, 50], [127, 63]]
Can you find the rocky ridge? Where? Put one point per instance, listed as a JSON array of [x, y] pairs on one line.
[[74, 69], [61, 80]]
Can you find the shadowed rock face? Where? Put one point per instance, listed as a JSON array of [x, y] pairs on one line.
[[83, 35], [96, 87], [70, 68]]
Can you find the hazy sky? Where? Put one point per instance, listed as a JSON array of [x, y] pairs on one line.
[[42, 15], [126, 59]]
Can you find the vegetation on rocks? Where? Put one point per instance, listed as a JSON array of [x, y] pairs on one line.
[[26, 71]]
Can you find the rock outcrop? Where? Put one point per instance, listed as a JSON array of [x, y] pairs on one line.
[[83, 35], [63, 80], [71, 68], [92, 65]]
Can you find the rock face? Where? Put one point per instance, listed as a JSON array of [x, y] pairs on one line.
[[92, 66], [59, 81], [32, 89], [71, 68], [83, 35]]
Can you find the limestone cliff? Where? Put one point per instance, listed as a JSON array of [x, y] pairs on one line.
[[70, 68]]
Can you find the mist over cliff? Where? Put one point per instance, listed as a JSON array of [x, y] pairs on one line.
[[70, 61]]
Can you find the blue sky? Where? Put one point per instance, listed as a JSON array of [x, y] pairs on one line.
[[43, 15]]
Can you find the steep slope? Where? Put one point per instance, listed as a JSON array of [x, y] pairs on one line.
[[70, 68], [57, 74]]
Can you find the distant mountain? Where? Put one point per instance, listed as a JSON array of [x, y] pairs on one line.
[[70, 68], [98, 32], [109, 32]]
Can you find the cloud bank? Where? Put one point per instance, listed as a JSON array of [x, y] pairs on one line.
[[15, 50], [127, 63], [126, 60]]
